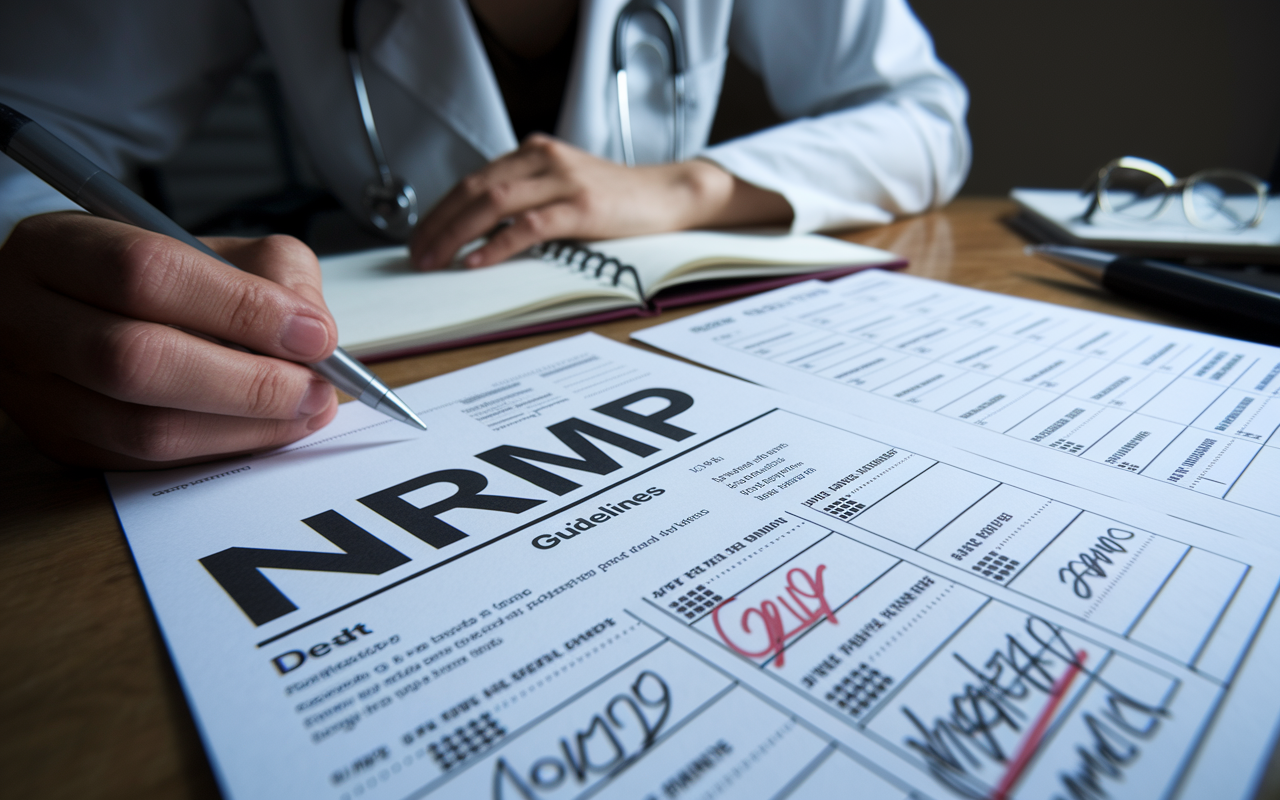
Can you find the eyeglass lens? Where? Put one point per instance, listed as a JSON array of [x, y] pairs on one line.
[[1133, 193], [1224, 200], [1220, 201]]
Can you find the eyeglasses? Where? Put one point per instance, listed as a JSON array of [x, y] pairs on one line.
[[1214, 199]]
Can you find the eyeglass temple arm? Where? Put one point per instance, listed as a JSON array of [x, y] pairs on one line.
[[1091, 188]]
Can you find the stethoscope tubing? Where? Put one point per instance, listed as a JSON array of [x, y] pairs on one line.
[[349, 44], [678, 65], [390, 202]]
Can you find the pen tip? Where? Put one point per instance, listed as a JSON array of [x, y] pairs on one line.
[[394, 407]]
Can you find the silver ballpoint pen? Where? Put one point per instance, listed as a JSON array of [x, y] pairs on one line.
[[59, 165]]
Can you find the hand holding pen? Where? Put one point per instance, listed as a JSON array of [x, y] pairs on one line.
[[107, 351]]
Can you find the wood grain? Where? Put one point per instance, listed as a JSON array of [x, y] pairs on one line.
[[90, 705]]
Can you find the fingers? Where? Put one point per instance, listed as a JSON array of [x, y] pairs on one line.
[[533, 157], [156, 365], [554, 221], [536, 174], [103, 358], [500, 202], [146, 276], [98, 431]]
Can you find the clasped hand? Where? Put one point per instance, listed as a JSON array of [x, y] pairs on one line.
[[547, 190]]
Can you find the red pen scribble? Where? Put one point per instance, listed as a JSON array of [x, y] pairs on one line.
[[1031, 742], [800, 586]]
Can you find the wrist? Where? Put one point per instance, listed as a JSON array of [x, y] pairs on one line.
[[710, 196]]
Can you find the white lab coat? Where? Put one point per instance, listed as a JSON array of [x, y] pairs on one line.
[[876, 130]]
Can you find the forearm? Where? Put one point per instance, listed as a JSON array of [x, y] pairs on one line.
[[881, 134], [902, 154]]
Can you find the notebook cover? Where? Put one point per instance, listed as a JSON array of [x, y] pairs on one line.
[[708, 291]]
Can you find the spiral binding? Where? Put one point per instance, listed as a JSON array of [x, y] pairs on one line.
[[584, 259]]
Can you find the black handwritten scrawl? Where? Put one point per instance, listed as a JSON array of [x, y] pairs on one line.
[[859, 689], [696, 602], [469, 740]]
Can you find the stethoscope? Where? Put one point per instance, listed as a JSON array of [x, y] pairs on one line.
[[389, 201], [663, 12]]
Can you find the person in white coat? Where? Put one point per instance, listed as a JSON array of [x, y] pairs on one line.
[[98, 361]]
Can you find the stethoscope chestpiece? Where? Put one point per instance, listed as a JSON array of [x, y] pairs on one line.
[[389, 201], [391, 206]]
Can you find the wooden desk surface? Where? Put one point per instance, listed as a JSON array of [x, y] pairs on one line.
[[89, 702]]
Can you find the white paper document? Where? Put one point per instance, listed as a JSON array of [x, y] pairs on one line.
[[603, 573], [1179, 421]]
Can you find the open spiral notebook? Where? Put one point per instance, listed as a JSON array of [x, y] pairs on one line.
[[384, 309]]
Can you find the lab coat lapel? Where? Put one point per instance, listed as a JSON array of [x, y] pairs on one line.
[[588, 116], [433, 50]]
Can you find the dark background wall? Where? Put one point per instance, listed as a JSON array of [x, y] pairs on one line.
[[1060, 88], [1057, 89]]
